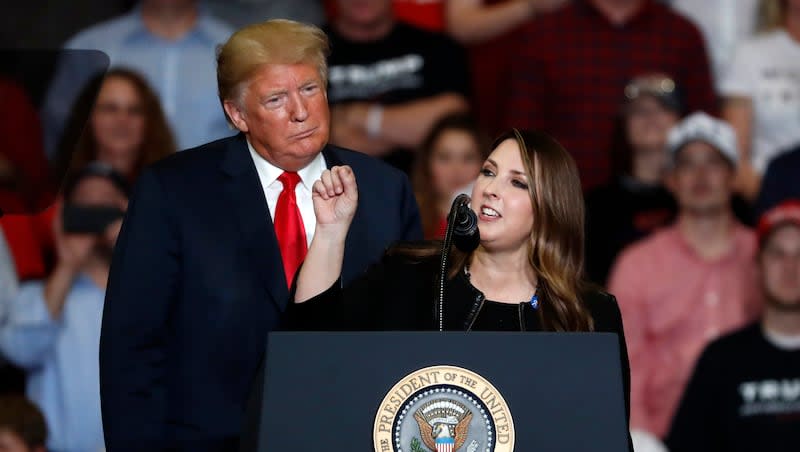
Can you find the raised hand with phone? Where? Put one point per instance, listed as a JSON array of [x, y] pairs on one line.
[[52, 328], [85, 230]]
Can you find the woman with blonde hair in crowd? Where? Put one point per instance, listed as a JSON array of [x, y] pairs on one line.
[[762, 92], [448, 161]]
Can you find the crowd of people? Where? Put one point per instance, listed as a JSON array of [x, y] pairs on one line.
[[680, 117]]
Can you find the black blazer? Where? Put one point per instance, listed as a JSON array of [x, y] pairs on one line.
[[196, 284], [398, 294]]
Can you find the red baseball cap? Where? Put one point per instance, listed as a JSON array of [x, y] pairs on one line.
[[787, 212]]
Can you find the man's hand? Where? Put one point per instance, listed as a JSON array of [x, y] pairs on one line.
[[348, 129], [354, 114], [335, 197]]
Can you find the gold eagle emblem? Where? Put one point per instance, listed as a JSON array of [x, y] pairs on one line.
[[443, 418]]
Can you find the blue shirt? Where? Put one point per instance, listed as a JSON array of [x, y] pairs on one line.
[[240, 13], [61, 358], [8, 281], [182, 72]]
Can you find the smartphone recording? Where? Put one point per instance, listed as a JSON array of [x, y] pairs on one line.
[[82, 219]]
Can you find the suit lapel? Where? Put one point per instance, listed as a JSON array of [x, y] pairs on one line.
[[250, 209]]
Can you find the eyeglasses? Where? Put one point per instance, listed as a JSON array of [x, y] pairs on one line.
[[116, 108], [657, 85]]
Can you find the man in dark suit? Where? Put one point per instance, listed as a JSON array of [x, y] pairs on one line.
[[212, 239]]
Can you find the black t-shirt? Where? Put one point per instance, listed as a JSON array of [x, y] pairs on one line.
[[744, 396], [618, 214], [407, 64]]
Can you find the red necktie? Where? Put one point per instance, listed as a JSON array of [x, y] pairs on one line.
[[289, 227]]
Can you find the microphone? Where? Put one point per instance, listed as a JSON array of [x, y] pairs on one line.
[[466, 235], [462, 231]]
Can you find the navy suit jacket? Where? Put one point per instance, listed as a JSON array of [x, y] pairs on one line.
[[196, 284]]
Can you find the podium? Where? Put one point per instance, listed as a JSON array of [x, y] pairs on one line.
[[442, 392]]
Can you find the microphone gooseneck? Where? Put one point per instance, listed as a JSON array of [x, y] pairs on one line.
[[462, 231]]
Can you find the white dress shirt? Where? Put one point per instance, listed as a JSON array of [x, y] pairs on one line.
[[268, 175]]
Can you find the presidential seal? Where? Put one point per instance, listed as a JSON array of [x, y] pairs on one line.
[[443, 409]]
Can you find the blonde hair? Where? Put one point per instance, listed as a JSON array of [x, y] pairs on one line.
[[277, 41], [771, 15]]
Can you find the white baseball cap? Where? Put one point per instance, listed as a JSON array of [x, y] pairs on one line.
[[702, 127]]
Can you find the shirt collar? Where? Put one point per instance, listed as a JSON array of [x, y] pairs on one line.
[[780, 340], [740, 235], [137, 30], [308, 175], [589, 9]]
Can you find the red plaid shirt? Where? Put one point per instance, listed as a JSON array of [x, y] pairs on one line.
[[571, 69]]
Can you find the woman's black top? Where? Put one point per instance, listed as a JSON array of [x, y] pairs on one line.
[[398, 294]]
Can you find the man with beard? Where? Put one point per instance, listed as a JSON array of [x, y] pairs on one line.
[[745, 391], [52, 327], [685, 285]]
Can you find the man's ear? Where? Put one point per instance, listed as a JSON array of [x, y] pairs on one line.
[[236, 115]]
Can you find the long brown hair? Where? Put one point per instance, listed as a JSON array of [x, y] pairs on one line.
[[421, 177], [556, 245], [555, 250], [158, 141]]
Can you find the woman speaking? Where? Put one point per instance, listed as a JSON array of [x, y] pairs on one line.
[[525, 275]]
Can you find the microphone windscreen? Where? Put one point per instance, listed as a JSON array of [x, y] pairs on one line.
[[466, 235]]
